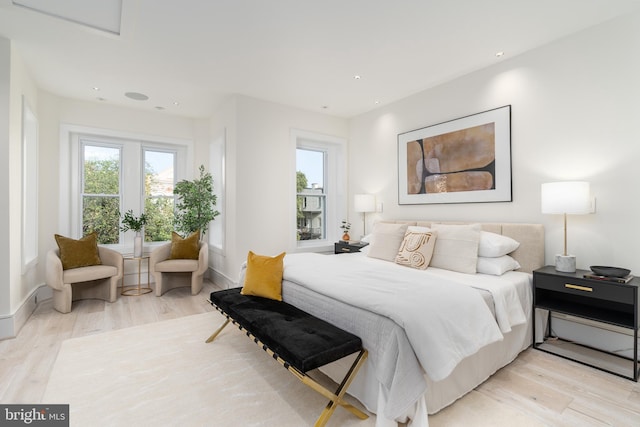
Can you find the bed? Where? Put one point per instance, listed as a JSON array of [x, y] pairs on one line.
[[428, 345]]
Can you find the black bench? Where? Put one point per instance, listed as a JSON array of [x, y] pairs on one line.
[[295, 338]]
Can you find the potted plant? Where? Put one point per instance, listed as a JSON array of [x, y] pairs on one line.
[[195, 204], [346, 226], [131, 222]]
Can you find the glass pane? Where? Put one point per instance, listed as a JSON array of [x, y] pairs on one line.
[[159, 200], [311, 209], [159, 174], [159, 212], [311, 164], [101, 170], [100, 214]]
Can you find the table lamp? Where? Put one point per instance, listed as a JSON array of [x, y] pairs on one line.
[[569, 197], [364, 203]]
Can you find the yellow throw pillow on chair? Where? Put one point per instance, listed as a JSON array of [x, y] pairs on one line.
[[263, 277], [187, 248], [78, 253]]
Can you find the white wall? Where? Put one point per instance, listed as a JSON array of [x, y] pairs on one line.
[[260, 159], [16, 287], [5, 226], [574, 114]]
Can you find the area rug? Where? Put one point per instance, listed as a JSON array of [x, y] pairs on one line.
[[164, 374]]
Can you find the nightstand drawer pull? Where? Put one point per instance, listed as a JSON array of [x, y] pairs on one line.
[[577, 287], [345, 249]]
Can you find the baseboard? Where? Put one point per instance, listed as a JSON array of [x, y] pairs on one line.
[[221, 279], [11, 324]]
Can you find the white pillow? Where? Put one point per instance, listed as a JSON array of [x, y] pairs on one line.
[[497, 265], [456, 247], [495, 245], [385, 240], [416, 248]]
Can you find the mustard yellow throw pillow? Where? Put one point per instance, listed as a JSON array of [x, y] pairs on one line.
[[187, 248], [263, 277], [78, 253]]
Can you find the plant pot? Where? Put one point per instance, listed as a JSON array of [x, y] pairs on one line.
[[346, 237], [137, 245]]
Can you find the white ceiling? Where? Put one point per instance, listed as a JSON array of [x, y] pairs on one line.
[[301, 53]]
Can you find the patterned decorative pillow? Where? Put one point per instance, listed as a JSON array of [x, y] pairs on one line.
[[416, 249]]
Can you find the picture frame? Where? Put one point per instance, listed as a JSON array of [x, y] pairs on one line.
[[465, 160]]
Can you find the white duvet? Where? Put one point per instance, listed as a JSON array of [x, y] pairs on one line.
[[445, 320]]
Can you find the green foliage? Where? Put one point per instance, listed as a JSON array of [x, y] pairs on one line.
[[301, 181], [130, 221], [159, 212], [195, 206], [301, 184], [102, 176], [101, 213]]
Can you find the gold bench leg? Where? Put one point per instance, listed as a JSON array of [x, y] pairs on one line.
[[335, 399], [215, 334]]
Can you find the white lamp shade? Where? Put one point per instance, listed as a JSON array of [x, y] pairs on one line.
[[569, 197], [364, 203]]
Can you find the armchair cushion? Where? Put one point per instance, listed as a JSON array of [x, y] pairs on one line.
[[187, 248], [177, 265], [78, 253], [89, 273]]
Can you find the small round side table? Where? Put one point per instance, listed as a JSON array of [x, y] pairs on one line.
[[138, 290]]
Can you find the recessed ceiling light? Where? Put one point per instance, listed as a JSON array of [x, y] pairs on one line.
[[499, 54], [137, 96], [376, 102], [176, 103], [96, 88], [357, 77]]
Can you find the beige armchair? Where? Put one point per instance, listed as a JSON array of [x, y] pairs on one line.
[[96, 281], [175, 273]]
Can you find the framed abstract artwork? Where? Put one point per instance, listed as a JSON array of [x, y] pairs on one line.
[[466, 160]]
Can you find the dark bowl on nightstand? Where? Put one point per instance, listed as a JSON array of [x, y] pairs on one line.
[[610, 271]]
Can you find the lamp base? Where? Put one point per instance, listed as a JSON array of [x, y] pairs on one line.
[[566, 263]]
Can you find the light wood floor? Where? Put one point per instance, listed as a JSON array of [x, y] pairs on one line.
[[537, 387]]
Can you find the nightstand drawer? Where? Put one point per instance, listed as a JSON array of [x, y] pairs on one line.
[[346, 247], [587, 288]]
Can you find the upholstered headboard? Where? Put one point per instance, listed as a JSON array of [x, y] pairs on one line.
[[530, 253]]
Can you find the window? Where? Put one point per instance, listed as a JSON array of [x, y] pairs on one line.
[[310, 193], [100, 191], [119, 174], [159, 202], [320, 198]]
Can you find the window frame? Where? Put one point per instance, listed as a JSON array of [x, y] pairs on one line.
[[70, 215], [334, 188]]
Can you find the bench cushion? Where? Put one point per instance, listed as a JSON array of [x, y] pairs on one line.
[[302, 340]]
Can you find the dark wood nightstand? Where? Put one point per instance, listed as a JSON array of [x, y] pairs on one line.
[[343, 247], [600, 301]]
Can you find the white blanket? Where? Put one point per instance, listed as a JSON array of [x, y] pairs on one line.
[[444, 321]]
